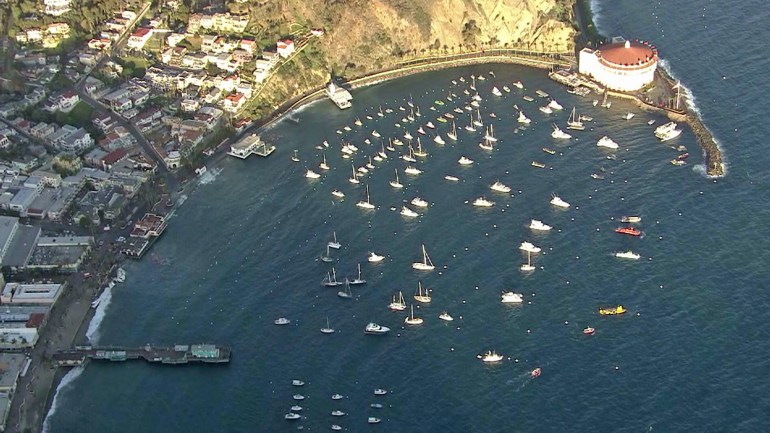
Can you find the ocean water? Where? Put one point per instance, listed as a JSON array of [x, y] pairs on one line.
[[690, 355]]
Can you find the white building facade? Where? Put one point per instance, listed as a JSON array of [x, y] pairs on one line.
[[623, 66]]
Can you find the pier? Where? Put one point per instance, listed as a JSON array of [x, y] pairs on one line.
[[174, 355]]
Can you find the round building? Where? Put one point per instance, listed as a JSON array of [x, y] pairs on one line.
[[623, 66]]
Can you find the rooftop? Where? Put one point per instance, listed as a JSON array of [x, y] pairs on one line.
[[627, 53]]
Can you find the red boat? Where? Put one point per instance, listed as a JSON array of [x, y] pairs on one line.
[[535, 373], [628, 231], [683, 156], [589, 331]]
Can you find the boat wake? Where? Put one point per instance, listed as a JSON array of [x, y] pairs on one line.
[[93, 327], [209, 176], [65, 381], [596, 10]]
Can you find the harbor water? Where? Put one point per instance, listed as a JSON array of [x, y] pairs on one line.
[[689, 355]]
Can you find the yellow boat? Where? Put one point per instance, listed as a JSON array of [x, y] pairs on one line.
[[538, 164], [612, 311]]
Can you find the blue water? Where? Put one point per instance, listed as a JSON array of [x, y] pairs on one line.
[[691, 354]]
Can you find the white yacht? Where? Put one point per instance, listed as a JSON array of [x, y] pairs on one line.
[[292, 416], [518, 85], [438, 140], [667, 131], [412, 170], [336, 427], [395, 183], [375, 329], [411, 319], [629, 116], [546, 109], [627, 255], [417, 201], [451, 178], [310, 174], [296, 408], [366, 204], [339, 194], [558, 133], [491, 356], [555, 105], [482, 202], [512, 298], [446, 317], [337, 397], [298, 397], [407, 136], [282, 321], [522, 118], [430, 125], [426, 264], [421, 131], [464, 160], [376, 134], [373, 420], [338, 413], [405, 211], [500, 187], [506, 89], [297, 382], [538, 225], [375, 258], [556, 201], [398, 303], [496, 91], [607, 142], [529, 247]]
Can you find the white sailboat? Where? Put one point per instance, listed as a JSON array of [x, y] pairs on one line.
[[411, 320], [522, 118], [420, 151], [438, 140], [527, 267], [426, 264], [453, 133], [469, 127], [354, 177], [490, 135], [323, 165], [574, 121], [328, 329], [398, 304], [334, 243], [395, 182], [295, 157], [327, 258], [359, 279], [478, 121], [422, 295], [366, 204], [346, 294]]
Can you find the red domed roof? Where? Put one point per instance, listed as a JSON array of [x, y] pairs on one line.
[[627, 53]]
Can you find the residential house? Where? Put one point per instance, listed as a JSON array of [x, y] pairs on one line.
[[63, 102], [285, 48], [233, 103], [77, 141], [139, 38], [41, 130], [56, 7]]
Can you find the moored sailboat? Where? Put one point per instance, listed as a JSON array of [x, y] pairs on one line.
[[426, 264]]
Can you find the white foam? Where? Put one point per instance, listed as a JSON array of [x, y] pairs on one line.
[[65, 381], [209, 176], [595, 13], [689, 98], [93, 327]]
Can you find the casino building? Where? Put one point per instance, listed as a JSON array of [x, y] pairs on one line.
[[621, 65]]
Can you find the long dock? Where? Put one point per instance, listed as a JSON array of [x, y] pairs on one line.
[[174, 355]]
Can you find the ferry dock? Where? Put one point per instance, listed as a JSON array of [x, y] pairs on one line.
[[173, 355], [250, 145]]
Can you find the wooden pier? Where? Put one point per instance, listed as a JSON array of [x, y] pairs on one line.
[[174, 355]]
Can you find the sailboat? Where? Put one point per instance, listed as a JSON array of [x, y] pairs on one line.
[[323, 165], [346, 294], [366, 204], [426, 264], [486, 145], [327, 258], [333, 243], [490, 135], [421, 296], [295, 157], [527, 267], [331, 279], [411, 320], [453, 133], [420, 152], [398, 304], [354, 177], [575, 122], [410, 156], [395, 183], [358, 280], [469, 127], [478, 121], [328, 329]]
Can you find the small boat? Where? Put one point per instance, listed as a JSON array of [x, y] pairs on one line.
[[331, 279], [548, 150], [410, 156], [422, 296], [328, 329], [541, 94], [574, 121], [291, 416], [421, 131], [627, 255], [407, 136], [296, 408], [327, 258], [518, 85], [337, 397], [597, 176], [490, 134], [354, 177], [606, 142], [629, 116], [323, 165], [500, 187], [530, 247], [426, 264], [380, 391], [527, 267], [120, 276], [464, 160], [398, 303], [358, 122], [681, 148], [512, 298], [651, 122], [338, 193], [295, 157], [482, 202], [683, 156], [411, 320], [395, 182], [405, 211], [375, 329], [282, 321], [559, 134], [334, 243], [346, 294], [336, 427], [417, 201], [537, 164], [446, 317], [420, 151], [546, 109], [373, 420], [451, 178], [612, 311], [338, 413], [430, 125], [375, 406], [535, 373], [589, 331], [486, 145], [366, 204], [310, 174], [438, 140], [95, 303], [528, 98], [496, 91], [412, 170], [453, 133], [298, 397], [630, 219], [506, 89], [297, 382], [374, 257], [523, 118], [555, 105], [490, 356], [678, 162], [667, 131], [556, 201], [376, 134], [358, 280], [628, 231], [538, 225]]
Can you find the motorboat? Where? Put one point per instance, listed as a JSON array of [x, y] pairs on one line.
[[422, 295], [282, 321], [336, 427], [338, 413], [291, 416], [607, 142], [375, 406], [338, 193], [541, 94], [630, 219], [667, 131], [380, 391], [546, 109], [629, 116], [376, 134], [549, 151], [398, 303], [506, 89], [496, 91], [628, 231], [500, 187], [678, 162], [421, 131], [528, 98], [411, 319], [375, 258], [557, 201], [417, 201], [523, 118], [373, 420], [405, 211], [296, 408], [518, 85], [375, 329], [589, 331], [612, 311], [512, 298], [651, 122], [482, 202], [438, 140], [597, 176], [491, 356], [95, 303], [297, 382], [530, 247], [446, 317], [451, 178], [555, 105], [537, 164], [464, 160], [535, 373], [412, 170], [627, 255], [298, 397], [559, 134], [337, 397], [430, 125], [539, 225]]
